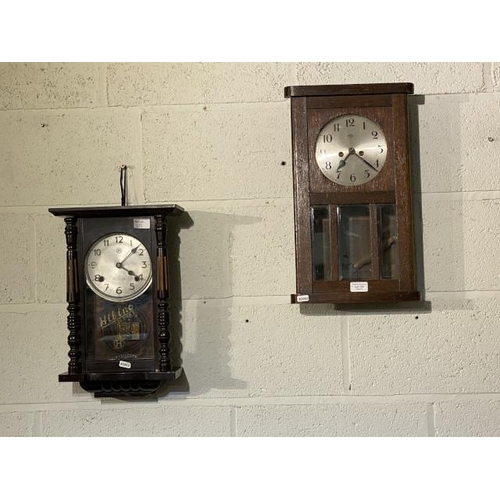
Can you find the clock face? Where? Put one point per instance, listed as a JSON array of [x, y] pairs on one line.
[[118, 267], [351, 150]]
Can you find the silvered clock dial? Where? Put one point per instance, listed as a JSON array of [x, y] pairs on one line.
[[118, 267], [351, 150]]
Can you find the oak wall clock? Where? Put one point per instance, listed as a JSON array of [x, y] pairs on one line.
[[352, 193], [117, 293]]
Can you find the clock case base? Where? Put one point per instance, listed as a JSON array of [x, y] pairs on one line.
[[137, 384], [357, 298]]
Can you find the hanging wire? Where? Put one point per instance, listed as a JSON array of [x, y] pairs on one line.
[[123, 184]]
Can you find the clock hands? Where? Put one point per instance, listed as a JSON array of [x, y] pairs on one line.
[[119, 265], [352, 151]]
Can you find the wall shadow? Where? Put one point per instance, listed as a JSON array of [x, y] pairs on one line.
[[436, 157], [202, 308], [414, 101]]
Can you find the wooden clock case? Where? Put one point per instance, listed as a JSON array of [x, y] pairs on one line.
[[311, 108], [92, 362]]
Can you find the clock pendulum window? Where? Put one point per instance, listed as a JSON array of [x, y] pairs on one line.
[[117, 292], [352, 193]]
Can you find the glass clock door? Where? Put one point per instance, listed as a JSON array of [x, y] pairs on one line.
[[366, 238]]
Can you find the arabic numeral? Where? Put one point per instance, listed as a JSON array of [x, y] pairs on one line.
[[353, 178], [328, 165], [119, 291], [375, 134], [119, 239], [327, 138], [349, 122]]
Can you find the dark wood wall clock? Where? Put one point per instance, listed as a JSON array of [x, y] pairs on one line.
[[352, 193], [117, 294]]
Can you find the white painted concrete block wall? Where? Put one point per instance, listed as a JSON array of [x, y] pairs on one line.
[[215, 138]]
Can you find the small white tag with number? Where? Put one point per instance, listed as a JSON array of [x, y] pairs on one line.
[[125, 364], [302, 298], [359, 286]]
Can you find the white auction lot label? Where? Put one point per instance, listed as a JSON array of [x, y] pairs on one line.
[[302, 298], [359, 286]]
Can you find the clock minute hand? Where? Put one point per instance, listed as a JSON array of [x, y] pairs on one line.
[[368, 163], [132, 252]]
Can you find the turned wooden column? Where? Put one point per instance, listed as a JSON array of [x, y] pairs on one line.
[[73, 298], [162, 293]]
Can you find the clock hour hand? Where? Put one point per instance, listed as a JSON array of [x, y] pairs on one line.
[[342, 163], [119, 265]]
